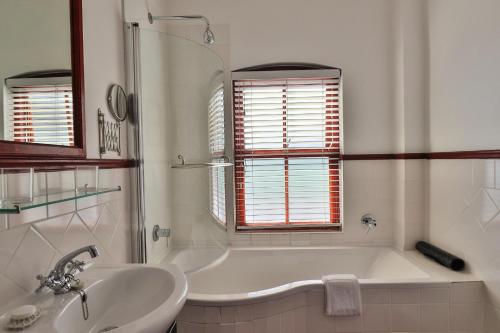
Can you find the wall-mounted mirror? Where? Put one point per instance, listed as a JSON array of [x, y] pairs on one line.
[[117, 102], [41, 74]]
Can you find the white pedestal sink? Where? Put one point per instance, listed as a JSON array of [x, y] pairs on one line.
[[127, 298]]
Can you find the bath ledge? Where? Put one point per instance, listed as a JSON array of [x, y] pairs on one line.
[[376, 267]]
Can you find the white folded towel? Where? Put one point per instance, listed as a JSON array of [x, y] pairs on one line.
[[343, 295]]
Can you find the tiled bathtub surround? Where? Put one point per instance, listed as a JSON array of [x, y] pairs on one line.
[[464, 217], [37, 238], [437, 308]]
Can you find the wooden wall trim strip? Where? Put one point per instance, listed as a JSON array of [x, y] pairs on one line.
[[368, 157], [56, 164], [475, 154], [63, 164], [472, 154]]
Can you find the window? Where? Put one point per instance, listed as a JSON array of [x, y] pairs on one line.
[[39, 111], [216, 147], [287, 149], [218, 192]]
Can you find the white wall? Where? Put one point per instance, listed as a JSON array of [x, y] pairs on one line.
[[464, 86], [324, 32], [354, 35], [464, 113], [104, 61]]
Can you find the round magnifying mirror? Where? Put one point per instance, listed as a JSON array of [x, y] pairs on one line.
[[117, 102]]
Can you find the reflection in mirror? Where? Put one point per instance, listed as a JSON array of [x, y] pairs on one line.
[[35, 72], [39, 108]]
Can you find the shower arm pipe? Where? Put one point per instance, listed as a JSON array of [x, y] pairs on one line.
[[152, 18], [208, 36]]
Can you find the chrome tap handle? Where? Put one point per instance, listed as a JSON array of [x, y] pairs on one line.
[[370, 221], [76, 266], [159, 233], [371, 227], [43, 281]]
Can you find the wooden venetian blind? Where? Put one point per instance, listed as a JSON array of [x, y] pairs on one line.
[[287, 149], [40, 113], [216, 122], [216, 148]]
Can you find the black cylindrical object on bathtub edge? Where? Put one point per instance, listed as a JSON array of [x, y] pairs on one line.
[[440, 256]]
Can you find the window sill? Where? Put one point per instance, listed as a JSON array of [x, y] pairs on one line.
[[289, 228]]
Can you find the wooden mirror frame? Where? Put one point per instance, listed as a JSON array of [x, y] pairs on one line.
[[16, 150]]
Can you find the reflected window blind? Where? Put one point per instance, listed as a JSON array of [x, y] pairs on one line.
[[216, 148], [287, 152], [40, 114]]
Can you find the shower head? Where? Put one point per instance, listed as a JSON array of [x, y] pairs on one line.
[[208, 35]]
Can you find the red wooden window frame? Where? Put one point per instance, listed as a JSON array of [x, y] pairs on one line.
[[334, 166]]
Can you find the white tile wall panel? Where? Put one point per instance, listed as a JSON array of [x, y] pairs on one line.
[[401, 309], [464, 218]]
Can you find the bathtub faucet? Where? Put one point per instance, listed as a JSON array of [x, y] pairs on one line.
[[370, 221]]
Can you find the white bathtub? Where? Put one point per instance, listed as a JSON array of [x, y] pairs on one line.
[[246, 274], [279, 290]]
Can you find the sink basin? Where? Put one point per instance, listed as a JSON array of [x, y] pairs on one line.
[[128, 298]]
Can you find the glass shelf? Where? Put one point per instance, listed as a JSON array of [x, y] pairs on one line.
[[183, 165], [200, 165], [9, 207]]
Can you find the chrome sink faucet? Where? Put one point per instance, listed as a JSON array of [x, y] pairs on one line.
[[60, 279]]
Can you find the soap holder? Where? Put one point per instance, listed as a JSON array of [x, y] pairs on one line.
[[23, 317]]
